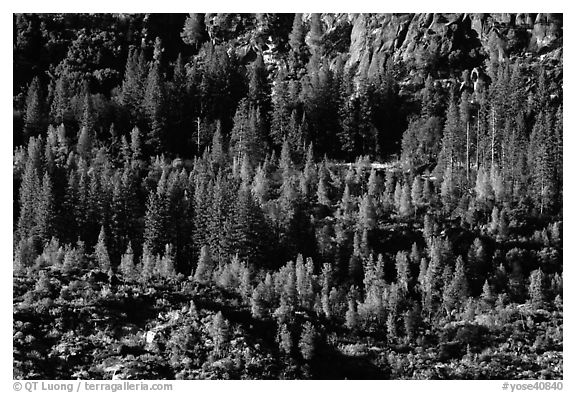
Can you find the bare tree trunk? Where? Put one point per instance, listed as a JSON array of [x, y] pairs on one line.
[[541, 194], [198, 131], [493, 136], [478, 142], [240, 141], [503, 155], [467, 151]]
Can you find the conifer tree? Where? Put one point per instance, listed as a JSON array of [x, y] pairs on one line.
[[478, 264], [257, 305], [289, 289], [194, 30], [245, 173], [391, 329], [410, 318], [397, 195], [284, 339], [165, 265], [63, 143], [389, 187], [487, 295], [393, 299], [349, 136], [448, 189], [45, 211], [147, 264], [432, 277], [88, 120], [297, 45], [85, 141], [483, 186], [323, 187], [327, 306], [133, 85], [70, 204], [136, 143], [202, 197], [34, 117], [541, 161], [154, 109], [542, 90], [219, 216], [355, 261], [157, 217], [61, 110], [247, 237], [558, 139], [218, 154], [309, 175], [261, 186], [456, 292], [498, 186], [101, 252], [495, 221], [374, 184], [429, 228], [405, 208], [286, 164], [284, 312], [247, 133], [97, 204], [283, 112], [219, 331], [347, 202], [536, 289], [24, 255], [466, 118], [205, 265], [326, 278], [422, 270], [367, 213], [295, 231], [307, 342], [304, 282], [127, 267], [503, 224], [451, 142], [157, 53], [416, 192], [403, 270], [28, 196], [352, 315]]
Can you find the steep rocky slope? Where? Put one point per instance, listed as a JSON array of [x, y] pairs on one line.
[[421, 44]]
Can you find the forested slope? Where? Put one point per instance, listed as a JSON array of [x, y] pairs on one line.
[[204, 196]]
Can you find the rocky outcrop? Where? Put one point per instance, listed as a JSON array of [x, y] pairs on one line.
[[464, 39], [437, 43], [547, 30]]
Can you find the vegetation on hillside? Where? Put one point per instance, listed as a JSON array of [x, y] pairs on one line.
[[225, 196]]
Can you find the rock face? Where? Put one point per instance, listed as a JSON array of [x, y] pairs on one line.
[[442, 45], [459, 38], [547, 30]]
